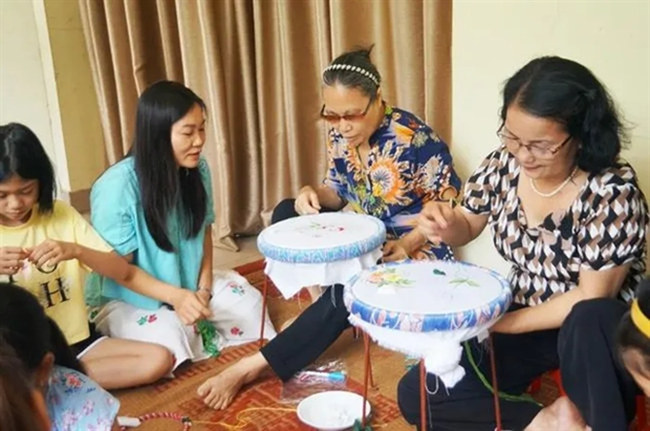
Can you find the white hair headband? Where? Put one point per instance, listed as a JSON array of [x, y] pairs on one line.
[[356, 69]]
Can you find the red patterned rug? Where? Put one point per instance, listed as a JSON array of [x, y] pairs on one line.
[[260, 406]]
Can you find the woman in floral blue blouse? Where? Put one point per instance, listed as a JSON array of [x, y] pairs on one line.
[[384, 162]]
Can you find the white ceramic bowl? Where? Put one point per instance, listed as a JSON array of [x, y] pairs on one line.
[[332, 410]]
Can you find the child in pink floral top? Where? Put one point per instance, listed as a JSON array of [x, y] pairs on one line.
[[73, 401]]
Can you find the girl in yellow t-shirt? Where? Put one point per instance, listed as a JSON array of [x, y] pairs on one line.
[[46, 246]]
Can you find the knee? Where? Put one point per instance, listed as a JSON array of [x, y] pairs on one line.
[[284, 210], [160, 362], [594, 311], [589, 317]]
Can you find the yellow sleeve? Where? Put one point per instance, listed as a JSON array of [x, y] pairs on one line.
[[83, 232]]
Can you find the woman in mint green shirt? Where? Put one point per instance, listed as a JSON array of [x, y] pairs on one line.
[[155, 208]]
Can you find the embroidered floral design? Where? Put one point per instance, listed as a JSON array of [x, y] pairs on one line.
[[464, 280], [236, 288], [319, 230], [147, 318], [389, 277], [236, 331]]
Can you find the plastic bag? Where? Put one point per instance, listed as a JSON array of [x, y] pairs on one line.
[[321, 377]]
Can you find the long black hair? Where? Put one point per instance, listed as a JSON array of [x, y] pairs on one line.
[[30, 332], [22, 154], [566, 91], [366, 78], [16, 392], [629, 336], [162, 184]]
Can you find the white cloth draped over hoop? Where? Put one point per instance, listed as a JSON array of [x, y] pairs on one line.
[[426, 309], [321, 249]]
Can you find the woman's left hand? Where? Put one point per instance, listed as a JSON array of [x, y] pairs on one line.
[[204, 296], [394, 251], [52, 252]]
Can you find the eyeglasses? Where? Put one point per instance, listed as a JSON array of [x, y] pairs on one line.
[[513, 145], [335, 119]]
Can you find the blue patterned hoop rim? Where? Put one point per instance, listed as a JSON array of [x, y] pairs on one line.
[[469, 318], [322, 255]]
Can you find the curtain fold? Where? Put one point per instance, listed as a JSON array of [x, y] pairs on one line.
[[257, 64]]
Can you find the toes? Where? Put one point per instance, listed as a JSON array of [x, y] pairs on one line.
[[205, 388], [212, 400]]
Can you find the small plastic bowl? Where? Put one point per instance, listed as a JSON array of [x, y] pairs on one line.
[[332, 410]]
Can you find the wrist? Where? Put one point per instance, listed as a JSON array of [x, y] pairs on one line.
[[76, 251], [174, 296], [207, 290]]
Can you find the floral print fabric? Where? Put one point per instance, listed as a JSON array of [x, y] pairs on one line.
[[408, 165]]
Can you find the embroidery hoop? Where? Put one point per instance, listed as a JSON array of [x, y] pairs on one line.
[[320, 250]]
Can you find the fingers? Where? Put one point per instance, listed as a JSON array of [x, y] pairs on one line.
[[434, 219], [51, 256], [41, 250], [388, 248], [307, 202], [313, 201], [193, 310]]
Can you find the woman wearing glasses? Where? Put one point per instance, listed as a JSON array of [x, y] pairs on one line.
[[570, 217], [384, 162]]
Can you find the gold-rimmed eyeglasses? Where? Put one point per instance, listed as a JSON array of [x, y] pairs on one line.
[[539, 150]]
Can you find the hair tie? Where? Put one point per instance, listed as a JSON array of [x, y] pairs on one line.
[[356, 69], [639, 319]]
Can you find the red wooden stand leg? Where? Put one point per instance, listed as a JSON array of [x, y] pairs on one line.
[[423, 396], [264, 296], [366, 375], [495, 388]]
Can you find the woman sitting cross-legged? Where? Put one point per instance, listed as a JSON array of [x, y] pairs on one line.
[[383, 161], [155, 208]]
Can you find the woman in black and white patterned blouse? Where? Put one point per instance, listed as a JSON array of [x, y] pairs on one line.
[[570, 217]]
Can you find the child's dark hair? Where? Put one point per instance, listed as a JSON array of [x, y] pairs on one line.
[[16, 386], [566, 91], [30, 332], [354, 69], [22, 154], [629, 336], [162, 184]]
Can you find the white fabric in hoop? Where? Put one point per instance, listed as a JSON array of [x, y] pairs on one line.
[[320, 249], [426, 309], [289, 278], [440, 350]]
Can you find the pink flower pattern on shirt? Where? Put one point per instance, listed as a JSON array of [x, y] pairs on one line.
[[75, 402]]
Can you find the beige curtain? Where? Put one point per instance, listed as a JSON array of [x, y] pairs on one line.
[[257, 64]]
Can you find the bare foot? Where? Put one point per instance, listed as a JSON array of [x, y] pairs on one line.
[[219, 391], [561, 415]]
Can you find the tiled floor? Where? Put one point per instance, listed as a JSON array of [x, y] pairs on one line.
[[224, 259]]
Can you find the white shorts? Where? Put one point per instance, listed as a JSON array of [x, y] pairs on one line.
[[236, 319]]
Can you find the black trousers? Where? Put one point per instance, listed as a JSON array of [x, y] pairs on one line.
[[583, 349], [314, 330]]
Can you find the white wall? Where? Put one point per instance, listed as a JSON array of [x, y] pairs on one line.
[[46, 83], [493, 39], [23, 95]]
